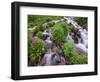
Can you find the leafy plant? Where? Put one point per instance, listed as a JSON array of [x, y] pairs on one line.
[[71, 27], [51, 24], [45, 25], [30, 25], [74, 57], [59, 32], [68, 48], [63, 25], [40, 28], [40, 34], [36, 50], [36, 30], [78, 58], [36, 20], [83, 21]]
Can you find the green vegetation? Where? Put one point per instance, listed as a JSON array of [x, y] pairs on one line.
[[40, 28], [59, 32], [74, 57], [78, 58], [30, 33], [51, 24], [68, 48], [34, 20], [71, 27], [36, 50], [83, 21], [63, 25], [45, 25], [40, 34]]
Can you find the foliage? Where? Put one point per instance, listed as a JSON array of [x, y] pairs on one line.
[[78, 58], [71, 27], [30, 25], [34, 20], [68, 48], [58, 34], [45, 25], [65, 20], [30, 33], [36, 50], [40, 34], [83, 21], [36, 29], [74, 57], [51, 24], [63, 25], [40, 28]]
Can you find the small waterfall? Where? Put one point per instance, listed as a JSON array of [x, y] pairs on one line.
[[48, 41], [82, 45], [47, 57], [69, 38]]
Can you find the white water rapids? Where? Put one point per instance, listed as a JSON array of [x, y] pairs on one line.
[[81, 46]]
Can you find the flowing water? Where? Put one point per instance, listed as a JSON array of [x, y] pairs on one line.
[[81, 45]]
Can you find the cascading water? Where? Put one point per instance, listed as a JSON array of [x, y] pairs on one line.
[[82, 45], [48, 41], [47, 57]]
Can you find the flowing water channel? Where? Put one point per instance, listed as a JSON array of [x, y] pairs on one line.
[[81, 45]]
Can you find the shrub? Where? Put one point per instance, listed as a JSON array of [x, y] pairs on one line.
[[30, 33], [36, 50], [51, 24], [40, 28], [30, 25], [45, 25], [41, 19], [58, 34], [63, 25], [72, 55], [68, 48], [71, 27], [78, 58], [36, 30], [40, 34]]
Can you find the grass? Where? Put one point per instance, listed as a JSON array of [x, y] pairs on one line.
[[35, 20]]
